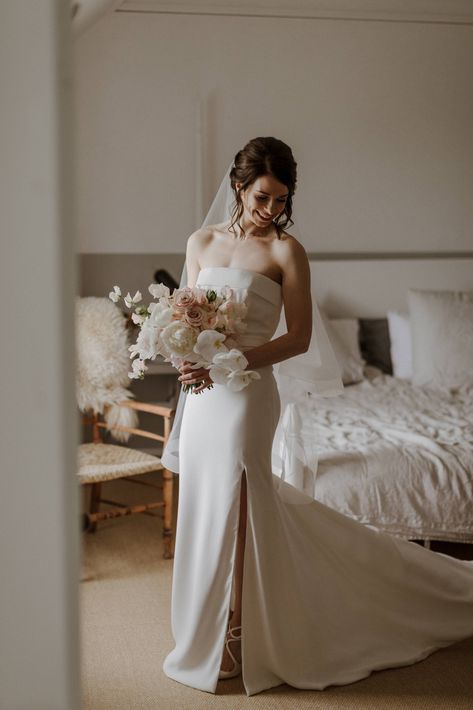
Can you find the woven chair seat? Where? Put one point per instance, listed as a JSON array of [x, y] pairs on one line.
[[104, 462]]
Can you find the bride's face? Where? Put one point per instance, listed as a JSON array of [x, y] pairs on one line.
[[263, 200]]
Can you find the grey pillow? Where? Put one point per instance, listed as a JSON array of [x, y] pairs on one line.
[[375, 344]]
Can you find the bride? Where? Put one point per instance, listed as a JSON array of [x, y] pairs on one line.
[[268, 582]]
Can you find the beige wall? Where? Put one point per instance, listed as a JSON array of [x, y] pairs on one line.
[[379, 115]]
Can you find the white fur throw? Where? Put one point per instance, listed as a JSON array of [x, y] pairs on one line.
[[103, 361]]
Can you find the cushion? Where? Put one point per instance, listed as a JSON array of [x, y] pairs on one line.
[[374, 343], [401, 344], [442, 337], [343, 335]]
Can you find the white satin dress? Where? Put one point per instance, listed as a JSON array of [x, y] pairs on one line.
[[326, 600]]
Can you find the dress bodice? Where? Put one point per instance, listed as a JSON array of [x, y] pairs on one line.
[[263, 297]]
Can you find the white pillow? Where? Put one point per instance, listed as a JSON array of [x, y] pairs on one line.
[[343, 335], [400, 338], [442, 337]]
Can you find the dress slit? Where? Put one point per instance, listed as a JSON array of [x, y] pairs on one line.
[[231, 603]]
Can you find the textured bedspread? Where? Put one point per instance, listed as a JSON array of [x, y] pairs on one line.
[[387, 453]]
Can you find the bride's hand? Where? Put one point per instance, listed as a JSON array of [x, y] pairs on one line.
[[191, 376]]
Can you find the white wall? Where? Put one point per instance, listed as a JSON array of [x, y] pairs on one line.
[[379, 116], [39, 516]]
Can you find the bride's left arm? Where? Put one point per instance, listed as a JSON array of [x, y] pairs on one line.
[[297, 303]]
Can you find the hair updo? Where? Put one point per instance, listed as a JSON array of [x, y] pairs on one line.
[[259, 157]]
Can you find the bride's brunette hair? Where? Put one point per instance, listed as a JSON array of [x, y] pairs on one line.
[[264, 156]]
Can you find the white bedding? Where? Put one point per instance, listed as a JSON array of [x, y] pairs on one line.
[[391, 455]]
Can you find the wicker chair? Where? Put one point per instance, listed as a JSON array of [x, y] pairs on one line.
[[100, 462], [102, 386]]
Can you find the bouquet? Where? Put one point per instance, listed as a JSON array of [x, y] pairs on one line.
[[190, 324]]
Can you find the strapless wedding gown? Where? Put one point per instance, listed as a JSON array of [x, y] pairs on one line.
[[326, 600]]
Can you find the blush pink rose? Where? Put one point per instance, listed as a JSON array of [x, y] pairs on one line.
[[194, 316], [183, 299], [210, 320]]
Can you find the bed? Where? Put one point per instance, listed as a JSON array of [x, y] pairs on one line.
[[395, 450]]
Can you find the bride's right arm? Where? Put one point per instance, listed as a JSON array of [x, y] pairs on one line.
[[195, 246]]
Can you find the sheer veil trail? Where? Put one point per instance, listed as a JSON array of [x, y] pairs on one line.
[[315, 372]]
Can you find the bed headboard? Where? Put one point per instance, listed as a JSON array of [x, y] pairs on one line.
[[363, 287]]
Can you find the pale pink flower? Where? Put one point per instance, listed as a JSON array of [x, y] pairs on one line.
[[194, 316], [210, 320], [183, 298]]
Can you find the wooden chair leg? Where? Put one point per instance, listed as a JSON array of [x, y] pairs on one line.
[[95, 495], [167, 515]]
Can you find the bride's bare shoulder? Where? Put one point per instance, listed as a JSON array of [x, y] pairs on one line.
[[201, 236], [290, 246], [204, 235], [291, 256]]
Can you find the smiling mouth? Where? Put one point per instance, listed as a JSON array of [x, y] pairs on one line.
[[265, 219]]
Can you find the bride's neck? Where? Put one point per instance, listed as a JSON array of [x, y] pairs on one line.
[[250, 229]]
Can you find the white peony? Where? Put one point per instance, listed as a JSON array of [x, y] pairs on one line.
[[179, 338], [209, 343], [160, 314]]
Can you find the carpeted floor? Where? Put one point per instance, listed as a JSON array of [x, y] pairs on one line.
[[125, 630]]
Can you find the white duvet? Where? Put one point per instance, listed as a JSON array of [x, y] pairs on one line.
[[387, 453]]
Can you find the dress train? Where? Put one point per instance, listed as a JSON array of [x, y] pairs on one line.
[[326, 600]]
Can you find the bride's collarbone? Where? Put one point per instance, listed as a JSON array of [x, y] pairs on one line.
[[250, 256]]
